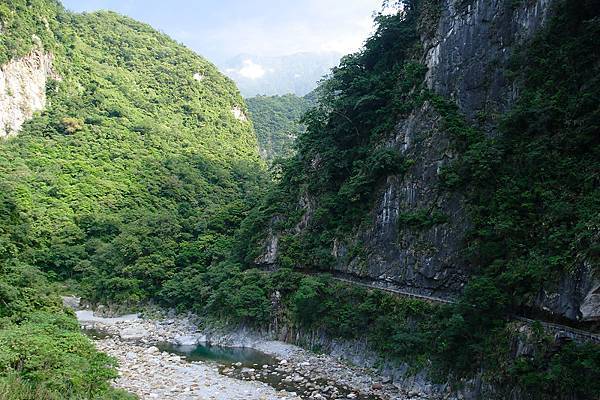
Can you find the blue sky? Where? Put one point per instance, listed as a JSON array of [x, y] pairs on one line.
[[221, 29]]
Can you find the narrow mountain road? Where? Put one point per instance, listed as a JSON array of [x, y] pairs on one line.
[[382, 286], [557, 329]]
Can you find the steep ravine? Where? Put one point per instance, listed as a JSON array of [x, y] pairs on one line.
[[138, 181]]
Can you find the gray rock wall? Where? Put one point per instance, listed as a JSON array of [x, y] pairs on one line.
[[468, 56], [424, 260], [466, 60], [576, 296]]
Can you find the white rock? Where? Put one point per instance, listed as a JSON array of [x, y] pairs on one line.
[[152, 350], [189, 340], [133, 333], [239, 114], [23, 90]]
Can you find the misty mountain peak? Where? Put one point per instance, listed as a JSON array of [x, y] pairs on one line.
[[296, 73]]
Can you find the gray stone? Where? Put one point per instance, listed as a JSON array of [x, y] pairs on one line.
[[590, 308], [189, 340], [133, 333], [71, 302]]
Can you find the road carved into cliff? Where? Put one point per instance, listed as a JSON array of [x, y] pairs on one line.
[[557, 329]]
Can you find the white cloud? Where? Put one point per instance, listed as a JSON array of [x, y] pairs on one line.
[[274, 28], [251, 70], [224, 29]]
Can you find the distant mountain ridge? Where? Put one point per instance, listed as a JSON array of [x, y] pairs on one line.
[[297, 73]]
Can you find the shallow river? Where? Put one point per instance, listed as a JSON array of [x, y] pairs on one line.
[[160, 369], [249, 364], [222, 355]]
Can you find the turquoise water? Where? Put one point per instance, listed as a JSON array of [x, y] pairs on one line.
[[253, 360], [230, 359], [221, 355]]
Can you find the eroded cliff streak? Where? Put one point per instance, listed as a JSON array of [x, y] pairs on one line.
[[23, 90]]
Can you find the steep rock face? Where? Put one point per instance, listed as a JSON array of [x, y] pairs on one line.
[[590, 307], [576, 296], [469, 54], [423, 260], [466, 60], [23, 90]]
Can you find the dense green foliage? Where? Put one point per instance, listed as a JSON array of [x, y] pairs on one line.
[[136, 169], [572, 371], [134, 172], [135, 179], [25, 24], [43, 354], [277, 123], [393, 325], [532, 191]]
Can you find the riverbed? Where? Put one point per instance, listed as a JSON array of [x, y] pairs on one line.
[[173, 359]]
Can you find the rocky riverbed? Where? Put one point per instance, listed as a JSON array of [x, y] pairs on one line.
[[165, 373], [152, 374]]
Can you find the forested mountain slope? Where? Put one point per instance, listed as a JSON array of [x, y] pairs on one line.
[[143, 148], [277, 122], [130, 159], [456, 155]]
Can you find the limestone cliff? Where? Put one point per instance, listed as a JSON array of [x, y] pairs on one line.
[[467, 55], [466, 59], [23, 90]]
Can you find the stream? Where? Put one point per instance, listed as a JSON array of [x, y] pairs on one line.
[[221, 355], [170, 359], [252, 365]]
